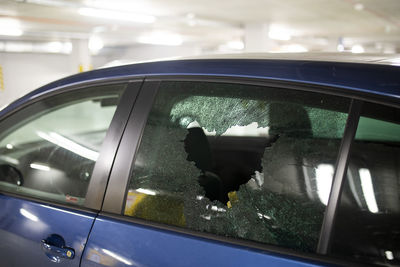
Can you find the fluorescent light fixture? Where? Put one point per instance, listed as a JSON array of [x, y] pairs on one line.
[[28, 215], [358, 6], [95, 44], [235, 45], [146, 191], [38, 166], [10, 27], [18, 47], [324, 176], [357, 49], [55, 47], [36, 47], [56, 3], [121, 5], [389, 255], [11, 31], [368, 190], [161, 38], [116, 15], [69, 145], [279, 33], [117, 257]]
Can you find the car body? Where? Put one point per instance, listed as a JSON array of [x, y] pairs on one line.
[[225, 161]]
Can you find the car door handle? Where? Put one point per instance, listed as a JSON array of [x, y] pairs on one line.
[[57, 250]]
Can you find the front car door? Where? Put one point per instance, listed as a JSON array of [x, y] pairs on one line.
[[55, 156]]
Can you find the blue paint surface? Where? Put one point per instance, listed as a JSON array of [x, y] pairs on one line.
[[376, 79], [118, 243], [23, 224]]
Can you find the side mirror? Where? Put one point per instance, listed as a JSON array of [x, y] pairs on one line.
[[11, 175]]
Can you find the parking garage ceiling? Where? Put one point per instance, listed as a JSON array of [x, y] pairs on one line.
[[316, 25]]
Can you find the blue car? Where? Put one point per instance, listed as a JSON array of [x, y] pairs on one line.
[[241, 160]]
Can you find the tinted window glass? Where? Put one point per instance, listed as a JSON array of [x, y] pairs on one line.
[[367, 226], [239, 161], [48, 150]]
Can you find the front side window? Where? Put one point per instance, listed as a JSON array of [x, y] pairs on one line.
[[240, 161], [367, 226], [48, 150]]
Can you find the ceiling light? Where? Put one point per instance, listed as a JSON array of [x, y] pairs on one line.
[[55, 47], [279, 33], [357, 49], [95, 44], [358, 6], [11, 32], [10, 27], [161, 38], [56, 3], [18, 47], [236, 45], [116, 15]]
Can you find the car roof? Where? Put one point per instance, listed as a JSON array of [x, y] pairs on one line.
[[344, 57], [373, 74]]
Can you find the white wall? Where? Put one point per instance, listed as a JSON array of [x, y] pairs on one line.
[[149, 52], [24, 72]]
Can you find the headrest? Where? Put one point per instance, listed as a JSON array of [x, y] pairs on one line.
[[289, 119]]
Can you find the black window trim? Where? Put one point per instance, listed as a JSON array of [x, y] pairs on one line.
[[120, 173], [111, 136], [114, 200], [339, 177]]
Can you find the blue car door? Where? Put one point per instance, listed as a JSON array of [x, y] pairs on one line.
[[56, 152], [218, 173]]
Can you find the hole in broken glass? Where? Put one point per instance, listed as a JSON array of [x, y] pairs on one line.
[[229, 160]]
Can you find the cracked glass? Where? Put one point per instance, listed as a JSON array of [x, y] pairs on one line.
[[239, 161]]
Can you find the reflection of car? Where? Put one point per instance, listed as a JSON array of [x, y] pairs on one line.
[[205, 162]]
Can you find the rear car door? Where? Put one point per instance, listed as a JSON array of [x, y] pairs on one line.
[[56, 153], [220, 173]]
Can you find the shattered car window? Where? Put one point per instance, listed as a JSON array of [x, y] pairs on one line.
[[239, 161]]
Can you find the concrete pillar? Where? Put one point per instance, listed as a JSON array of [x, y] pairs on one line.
[[80, 58], [256, 38]]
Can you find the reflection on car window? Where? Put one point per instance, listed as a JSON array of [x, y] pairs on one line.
[[50, 152], [238, 161], [367, 226]]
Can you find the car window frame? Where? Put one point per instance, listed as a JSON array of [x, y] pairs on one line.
[[98, 182], [114, 200]]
